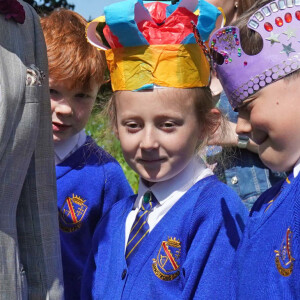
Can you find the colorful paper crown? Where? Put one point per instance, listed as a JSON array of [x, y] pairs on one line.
[[242, 75], [154, 44]]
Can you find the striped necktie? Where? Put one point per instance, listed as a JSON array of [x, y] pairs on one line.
[[140, 227]]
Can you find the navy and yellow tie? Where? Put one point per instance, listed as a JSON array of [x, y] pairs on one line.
[[140, 227]]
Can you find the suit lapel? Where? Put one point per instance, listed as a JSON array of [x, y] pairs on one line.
[[12, 80]]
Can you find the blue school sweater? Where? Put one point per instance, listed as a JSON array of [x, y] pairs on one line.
[[187, 255], [89, 182], [267, 264]]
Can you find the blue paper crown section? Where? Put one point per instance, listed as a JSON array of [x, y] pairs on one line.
[[123, 17]]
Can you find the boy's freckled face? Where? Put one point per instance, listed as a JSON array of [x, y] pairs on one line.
[[272, 120], [158, 132], [71, 108]]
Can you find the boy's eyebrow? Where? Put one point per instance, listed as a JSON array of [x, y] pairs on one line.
[[250, 98], [247, 101]]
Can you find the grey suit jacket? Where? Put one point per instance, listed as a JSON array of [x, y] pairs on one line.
[[30, 259]]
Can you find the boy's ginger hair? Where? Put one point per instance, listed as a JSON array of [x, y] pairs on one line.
[[70, 56]]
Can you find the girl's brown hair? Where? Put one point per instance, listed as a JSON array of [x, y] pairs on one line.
[[244, 5]]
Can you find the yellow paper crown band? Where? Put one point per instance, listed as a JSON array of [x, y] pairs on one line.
[[175, 65]]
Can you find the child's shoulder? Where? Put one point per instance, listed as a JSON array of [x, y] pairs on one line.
[[117, 212], [266, 196], [212, 187], [210, 204], [90, 158], [90, 154], [126, 202], [214, 199], [98, 157], [210, 196], [94, 152]]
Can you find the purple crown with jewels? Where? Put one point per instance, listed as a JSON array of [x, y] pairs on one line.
[[242, 75]]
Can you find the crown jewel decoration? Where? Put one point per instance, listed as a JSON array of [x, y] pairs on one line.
[[242, 75]]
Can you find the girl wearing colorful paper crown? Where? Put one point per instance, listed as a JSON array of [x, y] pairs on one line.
[[258, 64], [177, 237]]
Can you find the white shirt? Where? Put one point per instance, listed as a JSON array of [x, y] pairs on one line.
[[296, 168], [167, 193], [65, 148]]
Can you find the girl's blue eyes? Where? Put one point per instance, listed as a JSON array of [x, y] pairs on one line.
[[132, 125], [168, 124], [164, 126]]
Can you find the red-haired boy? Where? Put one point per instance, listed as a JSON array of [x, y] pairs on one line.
[[89, 180]]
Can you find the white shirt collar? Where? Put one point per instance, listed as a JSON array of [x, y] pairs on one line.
[[65, 148], [174, 188], [297, 168]]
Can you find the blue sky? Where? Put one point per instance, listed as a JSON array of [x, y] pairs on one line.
[[90, 9]]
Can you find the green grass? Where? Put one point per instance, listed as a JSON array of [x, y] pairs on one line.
[[99, 128]]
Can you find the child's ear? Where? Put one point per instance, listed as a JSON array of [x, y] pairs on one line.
[[215, 115], [116, 131], [212, 122]]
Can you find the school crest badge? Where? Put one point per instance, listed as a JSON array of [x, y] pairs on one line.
[[283, 258], [166, 265], [71, 213]]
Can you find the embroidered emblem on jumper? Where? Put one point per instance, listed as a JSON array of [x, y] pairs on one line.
[[166, 266], [283, 259], [72, 213]]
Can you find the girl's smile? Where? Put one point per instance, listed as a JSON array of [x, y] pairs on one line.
[[158, 131]]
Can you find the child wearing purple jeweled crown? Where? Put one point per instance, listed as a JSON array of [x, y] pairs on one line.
[[258, 64]]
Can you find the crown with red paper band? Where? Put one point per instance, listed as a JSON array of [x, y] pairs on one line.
[[242, 75], [153, 43]]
